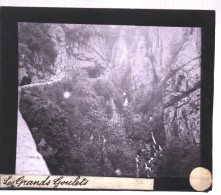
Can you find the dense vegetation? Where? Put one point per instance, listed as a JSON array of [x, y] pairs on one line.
[[75, 135], [72, 133], [179, 158], [80, 122], [36, 49]]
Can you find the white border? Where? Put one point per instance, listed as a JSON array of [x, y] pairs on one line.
[[153, 4]]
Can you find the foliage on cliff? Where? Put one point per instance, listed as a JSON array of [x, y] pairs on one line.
[[36, 49], [74, 134], [122, 92], [179, 158]]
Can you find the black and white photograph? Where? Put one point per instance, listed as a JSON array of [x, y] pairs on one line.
[[108, 100]]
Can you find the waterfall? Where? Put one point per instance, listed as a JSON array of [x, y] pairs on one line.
[[154, 141], [148, 170], [125, 102], [137, 166]]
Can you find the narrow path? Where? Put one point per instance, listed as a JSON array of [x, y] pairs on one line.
[[38, 84]]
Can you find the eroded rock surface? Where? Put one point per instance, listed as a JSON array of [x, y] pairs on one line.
[[28, 160], [140, 83]]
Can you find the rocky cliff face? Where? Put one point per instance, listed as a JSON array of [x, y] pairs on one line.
[[158, 68], [85, 48], [28, 160], [182, 93], [58, 38], [144, 80]]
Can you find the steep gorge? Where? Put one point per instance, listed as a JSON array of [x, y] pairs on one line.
[[132, 89]]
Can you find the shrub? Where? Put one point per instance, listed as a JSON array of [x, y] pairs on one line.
[[179, 158], [34, 42]]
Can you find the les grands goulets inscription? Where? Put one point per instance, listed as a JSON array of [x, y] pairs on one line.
[[57, 182]]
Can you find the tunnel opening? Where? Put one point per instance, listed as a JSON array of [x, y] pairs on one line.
[[94, 73]]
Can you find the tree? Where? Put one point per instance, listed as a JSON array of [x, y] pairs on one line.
[[36, 49]]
